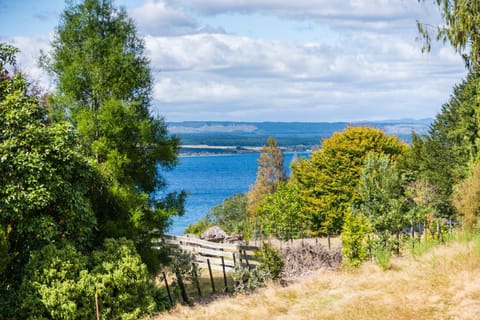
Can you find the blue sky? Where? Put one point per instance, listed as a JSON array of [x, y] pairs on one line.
[[270, 60]]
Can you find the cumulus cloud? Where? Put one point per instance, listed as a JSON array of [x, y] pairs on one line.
[[372, 70], [351, 14], [160, 18], [233, 77], [28, 58]]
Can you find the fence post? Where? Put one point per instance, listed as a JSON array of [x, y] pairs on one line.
[[183, 292], [195, 274], [168, 288], [211, 276], [224, 275], [246, 258]]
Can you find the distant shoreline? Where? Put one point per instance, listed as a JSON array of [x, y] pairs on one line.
[[205, 150]]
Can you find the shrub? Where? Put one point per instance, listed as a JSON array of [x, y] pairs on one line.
[[50, 288], [354, 238], [246, 279], [58, 283], [270, 261]]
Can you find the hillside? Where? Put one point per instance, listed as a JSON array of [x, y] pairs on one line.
[[441, 284], [293, 136]]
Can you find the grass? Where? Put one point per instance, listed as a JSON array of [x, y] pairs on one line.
[[205, 286], [442, 283]]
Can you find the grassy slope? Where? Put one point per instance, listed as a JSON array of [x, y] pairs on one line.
[[444, 283]]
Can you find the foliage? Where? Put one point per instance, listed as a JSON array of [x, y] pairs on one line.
[[381, 198], [230, 215], [270, 261], [270, 174], [460, 28], [382, 255], [355, 240], [281, 214], [328, 182], [247, 280], [443, 157], [60, 283], [104, 85], [199, 227], [466, 199], [44, 182]]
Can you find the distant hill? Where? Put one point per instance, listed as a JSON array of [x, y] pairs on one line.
[[293, 136]]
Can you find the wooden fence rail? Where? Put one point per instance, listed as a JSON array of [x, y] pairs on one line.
[[205, 251]]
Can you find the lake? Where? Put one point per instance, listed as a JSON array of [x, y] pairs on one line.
[[211, 179]]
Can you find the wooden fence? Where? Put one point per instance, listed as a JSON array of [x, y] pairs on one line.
[[218, 255]]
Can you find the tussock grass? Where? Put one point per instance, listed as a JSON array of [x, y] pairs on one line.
[[443, 283]]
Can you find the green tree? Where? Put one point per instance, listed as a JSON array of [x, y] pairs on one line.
[[444, 155], [281, 213], [230, 215], [381, 197], [45, 181], [270, 173], [104, 84], [461, 29], [328, 181]]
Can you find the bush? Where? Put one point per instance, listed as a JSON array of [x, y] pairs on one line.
[[354, 238], [121, 281], [246, 279], [270, 261], [58, 283]]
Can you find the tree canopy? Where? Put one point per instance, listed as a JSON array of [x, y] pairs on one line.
[[270, 174], [104, 87], [328, 181], [461, 29]]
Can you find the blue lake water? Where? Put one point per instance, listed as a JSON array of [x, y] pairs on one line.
[[209, 180]]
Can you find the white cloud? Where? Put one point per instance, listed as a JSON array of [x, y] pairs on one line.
[[351, 14], [233, 77], [28, 58], [373, 70], [160, 18]]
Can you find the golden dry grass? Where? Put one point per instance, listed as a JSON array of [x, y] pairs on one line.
[[442, 284]]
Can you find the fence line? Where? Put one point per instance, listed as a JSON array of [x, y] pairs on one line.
[[204, 250]]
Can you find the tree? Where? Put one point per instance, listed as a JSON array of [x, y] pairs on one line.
[[381, 198], [270, 173], [230, 215], [461, 29], [329, 180], [281, 213], [444, 155], [45, 181], [104, 84]]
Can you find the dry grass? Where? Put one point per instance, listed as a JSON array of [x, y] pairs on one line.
[[444, 283]]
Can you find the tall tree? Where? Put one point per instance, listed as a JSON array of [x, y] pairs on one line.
[[44, 180], [461, 28], [443, 157], [104, 83], [270, 173], [328, 181]]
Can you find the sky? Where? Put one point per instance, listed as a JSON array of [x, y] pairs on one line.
[[270, 60]]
